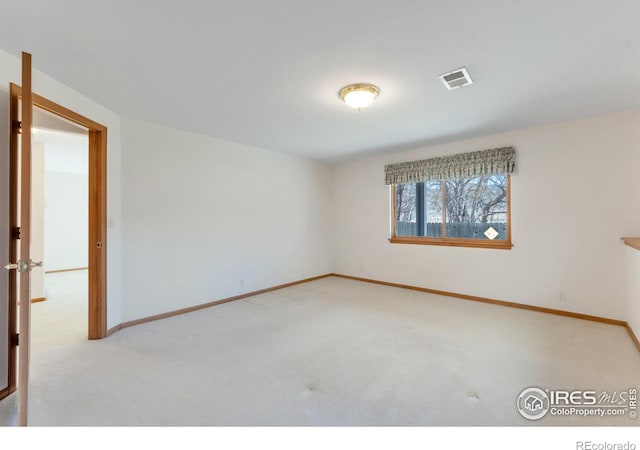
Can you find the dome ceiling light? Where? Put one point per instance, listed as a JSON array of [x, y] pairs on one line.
[[359, 95]]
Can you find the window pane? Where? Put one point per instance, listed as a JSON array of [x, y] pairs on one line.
[[433, 208], [419, 209], [406, 210], [474, 206]]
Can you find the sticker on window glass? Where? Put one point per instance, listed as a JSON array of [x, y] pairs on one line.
[[491, 233]]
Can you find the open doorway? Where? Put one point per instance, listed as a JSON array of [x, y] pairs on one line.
[[59, 229], [69, 121]]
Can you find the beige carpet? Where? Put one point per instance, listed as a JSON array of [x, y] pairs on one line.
[[327, 352]]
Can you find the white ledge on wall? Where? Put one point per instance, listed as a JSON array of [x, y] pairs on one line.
[[633, 242]]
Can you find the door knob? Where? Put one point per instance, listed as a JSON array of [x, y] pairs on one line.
[[24, 266]]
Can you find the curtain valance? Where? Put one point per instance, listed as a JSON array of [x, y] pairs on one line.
[[463, 165]]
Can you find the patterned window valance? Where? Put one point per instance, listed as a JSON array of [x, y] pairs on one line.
[[463, 165]]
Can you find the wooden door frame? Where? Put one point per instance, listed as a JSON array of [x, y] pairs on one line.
[[97, 246]]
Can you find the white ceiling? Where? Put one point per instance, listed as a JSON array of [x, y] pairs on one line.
[[267, 73]]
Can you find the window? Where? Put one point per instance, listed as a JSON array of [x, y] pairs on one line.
[[459, 200], [468, 212]]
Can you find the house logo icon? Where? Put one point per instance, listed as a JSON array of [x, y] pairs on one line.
[[533, 403]]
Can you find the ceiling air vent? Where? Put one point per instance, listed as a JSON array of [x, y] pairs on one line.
[[455, 79]]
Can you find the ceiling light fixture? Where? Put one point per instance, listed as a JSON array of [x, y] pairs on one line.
[[359, 95]]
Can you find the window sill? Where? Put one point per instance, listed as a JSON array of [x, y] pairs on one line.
[[473, 243]]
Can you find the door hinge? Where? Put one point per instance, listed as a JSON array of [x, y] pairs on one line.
[[15, 233], [18, 126], [15, 339]]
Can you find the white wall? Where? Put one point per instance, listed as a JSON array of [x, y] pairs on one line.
[[206, 219], [274, 228], [575, 194], [66, 220], [65, 96], [633, 288]]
